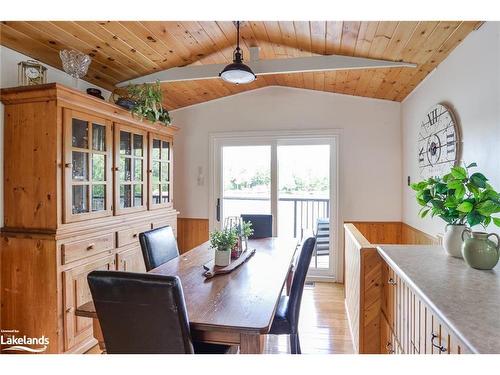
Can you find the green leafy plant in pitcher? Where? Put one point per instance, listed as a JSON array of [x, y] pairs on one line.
[[460, 198]]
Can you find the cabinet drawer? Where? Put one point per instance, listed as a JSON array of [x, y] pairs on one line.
[[85, 248], [131, 235]]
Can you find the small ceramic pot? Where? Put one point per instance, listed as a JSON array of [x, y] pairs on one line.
[[479, 251], [222, 257], [452, 240]]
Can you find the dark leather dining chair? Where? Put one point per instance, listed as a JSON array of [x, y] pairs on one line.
[[142, 313], [286, 318], [262, 225], [158, 246]]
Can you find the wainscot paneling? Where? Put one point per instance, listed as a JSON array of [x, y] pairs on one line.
[[410, 235], [380, 232], [191, 233]]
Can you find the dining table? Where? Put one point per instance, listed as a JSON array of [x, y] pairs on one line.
[[236, 308]]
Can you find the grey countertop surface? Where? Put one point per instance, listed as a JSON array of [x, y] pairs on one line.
[[466, 299]]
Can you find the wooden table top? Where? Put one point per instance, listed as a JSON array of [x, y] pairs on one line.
[[244, 300]]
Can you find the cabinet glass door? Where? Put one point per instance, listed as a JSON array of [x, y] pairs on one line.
[[87, 161], [130, 159], [160, 164]]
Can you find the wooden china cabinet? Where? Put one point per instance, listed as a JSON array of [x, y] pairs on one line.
[[82, 179]]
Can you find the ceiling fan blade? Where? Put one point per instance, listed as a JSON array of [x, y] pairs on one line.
[[274, 66]]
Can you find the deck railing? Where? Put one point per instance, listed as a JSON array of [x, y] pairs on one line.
[[306, 211]]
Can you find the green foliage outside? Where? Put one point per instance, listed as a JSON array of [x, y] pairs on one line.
[[262, 178], [459, 197]]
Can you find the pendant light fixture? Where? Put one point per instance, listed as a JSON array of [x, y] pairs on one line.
[[237, 72]]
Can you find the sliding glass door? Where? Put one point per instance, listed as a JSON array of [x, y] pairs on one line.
[[304, 196], [292, 179]]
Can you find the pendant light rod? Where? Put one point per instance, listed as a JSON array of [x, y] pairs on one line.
[[237, 34]]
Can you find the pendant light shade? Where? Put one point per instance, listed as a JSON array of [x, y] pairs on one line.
[[237, 72]]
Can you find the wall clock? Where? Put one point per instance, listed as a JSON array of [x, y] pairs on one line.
[[438, 142]]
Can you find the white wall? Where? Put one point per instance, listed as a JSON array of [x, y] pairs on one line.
[[469, 81], [8, 78], [370, 180]]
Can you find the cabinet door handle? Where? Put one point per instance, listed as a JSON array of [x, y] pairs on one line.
[[69, 309], [134, 235], [68, 165], [391, 281], [441, 348], [90, 246]]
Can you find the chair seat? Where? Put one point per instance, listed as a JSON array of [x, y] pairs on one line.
[[206, 348], [281, 325]]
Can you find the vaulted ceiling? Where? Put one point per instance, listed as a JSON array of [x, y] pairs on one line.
[[124, 50]]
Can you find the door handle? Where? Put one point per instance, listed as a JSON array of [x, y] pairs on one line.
[[218, 209]]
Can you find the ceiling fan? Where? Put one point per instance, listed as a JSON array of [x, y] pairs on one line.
[[237, 72]]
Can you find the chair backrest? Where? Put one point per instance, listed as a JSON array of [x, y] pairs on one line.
[[141, 313], [299, 279], [158, 246], [262, 225]]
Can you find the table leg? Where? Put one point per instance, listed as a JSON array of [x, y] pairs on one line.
[[96, 328], [251, 343]]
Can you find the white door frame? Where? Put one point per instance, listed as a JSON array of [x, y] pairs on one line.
[[275, 138]]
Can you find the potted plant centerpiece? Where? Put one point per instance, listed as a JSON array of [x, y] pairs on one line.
[[459, 198], [223, 242]]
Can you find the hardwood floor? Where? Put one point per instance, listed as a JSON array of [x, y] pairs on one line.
[[323, 326]]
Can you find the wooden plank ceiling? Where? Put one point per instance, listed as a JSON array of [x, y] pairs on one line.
[[125, 50]]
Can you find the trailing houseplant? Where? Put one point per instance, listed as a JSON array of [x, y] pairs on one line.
[[148, 100], [223, 241], [460, 198]]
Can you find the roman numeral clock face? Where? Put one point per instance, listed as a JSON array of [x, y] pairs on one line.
[[438, 142]]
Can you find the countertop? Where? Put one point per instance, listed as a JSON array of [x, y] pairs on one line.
[[467, 300]]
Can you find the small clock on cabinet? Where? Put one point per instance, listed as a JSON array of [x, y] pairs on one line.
[[31, 72], [438, 142]]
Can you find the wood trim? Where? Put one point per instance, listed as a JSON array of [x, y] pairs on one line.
[[191, 233]]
